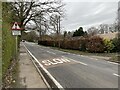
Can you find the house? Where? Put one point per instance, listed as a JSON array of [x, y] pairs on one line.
[[108, 35]]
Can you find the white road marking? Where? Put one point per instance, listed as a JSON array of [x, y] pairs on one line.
[[91, 58], [96, 59], [74, 54], [41, 74], [78, 55], [80, 62], [51, 52], [113, 63], [55, 61], [68, 53], [45, 70], [42, 49], [82, 56], [59, 51], [76, 61], [116, 75]]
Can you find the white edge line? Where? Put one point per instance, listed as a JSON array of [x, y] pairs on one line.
[[113, 63], [41, 75], [116, 75], [53, 79], [39, 72]]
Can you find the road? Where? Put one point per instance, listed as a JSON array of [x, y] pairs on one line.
[[76, 71]]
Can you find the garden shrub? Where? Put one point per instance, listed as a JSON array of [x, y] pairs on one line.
[[116, 43], [82, 43], [95, 44], [109, 46]]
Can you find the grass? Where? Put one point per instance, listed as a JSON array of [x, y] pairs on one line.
[[115, 58], [85, 53], [15, 75]]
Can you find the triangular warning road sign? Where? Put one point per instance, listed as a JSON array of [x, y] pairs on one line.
[[15, 26]]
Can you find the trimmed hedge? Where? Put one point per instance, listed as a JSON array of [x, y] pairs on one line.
[[8, 41], [94, 44], [79, 44]]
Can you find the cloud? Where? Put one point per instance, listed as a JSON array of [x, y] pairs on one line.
[[89, 13], [91, 0]]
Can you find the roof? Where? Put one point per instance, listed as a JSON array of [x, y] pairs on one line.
[[108, 35]]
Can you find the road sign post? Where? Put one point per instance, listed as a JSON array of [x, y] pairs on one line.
[[16, 45], [16, 30]]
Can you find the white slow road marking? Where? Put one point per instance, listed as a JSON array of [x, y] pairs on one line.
[[55, 61], [45, 70], [116, 75], [75, 61], [51, 52]]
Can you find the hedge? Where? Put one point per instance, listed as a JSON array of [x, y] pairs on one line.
[[93, 44]]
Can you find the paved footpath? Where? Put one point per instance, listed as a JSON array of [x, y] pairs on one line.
[[29, 77]]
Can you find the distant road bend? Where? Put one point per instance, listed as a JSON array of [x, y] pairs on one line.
[[75, 71]]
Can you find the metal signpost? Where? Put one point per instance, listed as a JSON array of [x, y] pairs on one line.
[[15, 32]]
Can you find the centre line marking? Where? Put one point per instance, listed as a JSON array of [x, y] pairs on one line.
[[80, 62], [51, 52], [75, 61], [91, 58], [41, 49], [116, 75]]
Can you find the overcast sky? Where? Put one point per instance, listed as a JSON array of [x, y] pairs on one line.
[[87, 14]]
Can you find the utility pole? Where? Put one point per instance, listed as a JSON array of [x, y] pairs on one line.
[[59, 24], [59, 29], [118, 17], [45, 27], [40, 38]]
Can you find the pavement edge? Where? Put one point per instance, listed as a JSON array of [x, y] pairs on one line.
[[49, 80]]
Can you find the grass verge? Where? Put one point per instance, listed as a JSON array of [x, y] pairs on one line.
[[114, 57]]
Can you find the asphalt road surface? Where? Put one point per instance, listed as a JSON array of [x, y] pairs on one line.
[[76, 71]]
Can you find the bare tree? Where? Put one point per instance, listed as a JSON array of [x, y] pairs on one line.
[[55, 25], [92, 31], [32, 11], [103, 28]]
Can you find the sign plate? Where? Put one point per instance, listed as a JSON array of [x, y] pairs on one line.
[[15, 26], [16, 32]]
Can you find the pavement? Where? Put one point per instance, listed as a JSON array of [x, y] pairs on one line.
[[75, 71], [28, 75]]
